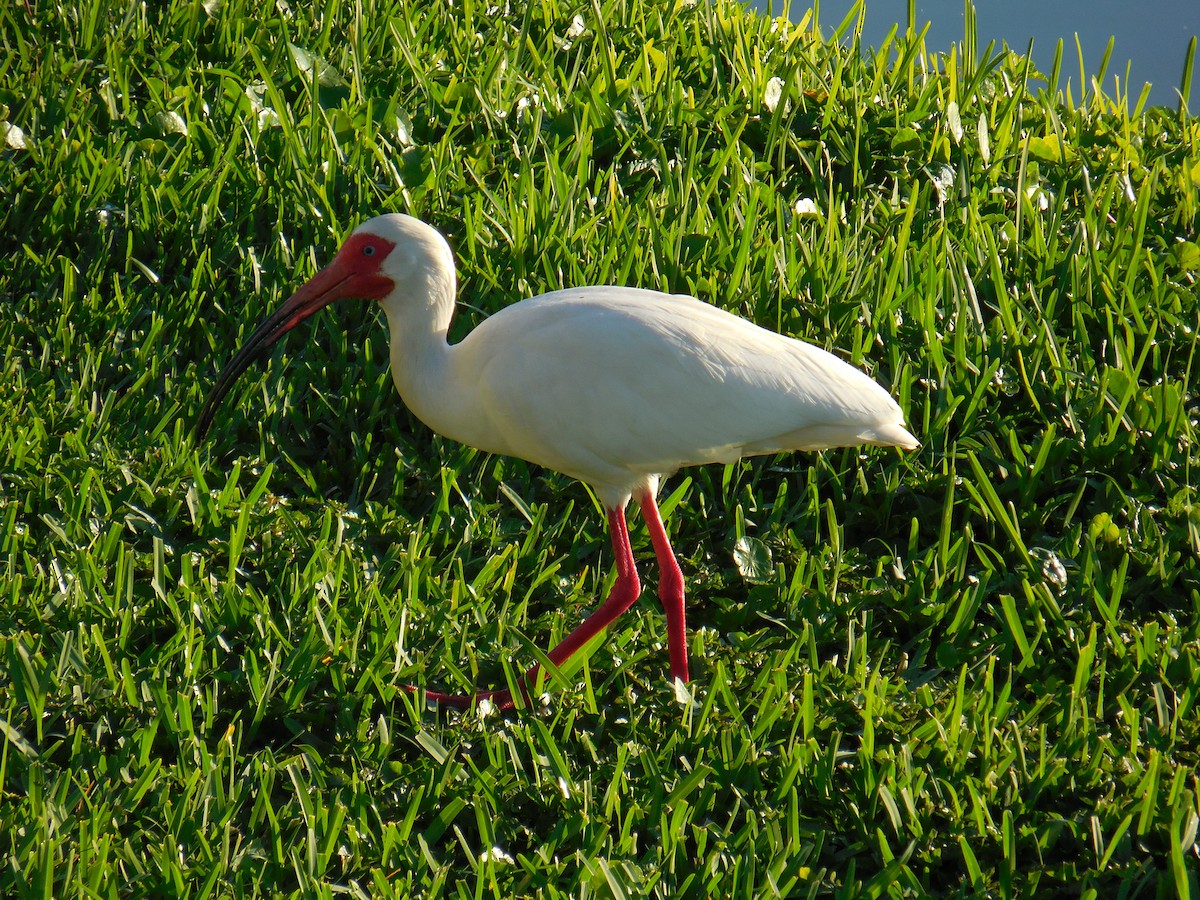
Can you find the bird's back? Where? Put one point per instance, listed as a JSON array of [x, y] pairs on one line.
[[609, 384]]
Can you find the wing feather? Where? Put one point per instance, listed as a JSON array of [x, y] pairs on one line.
[[607, 383]]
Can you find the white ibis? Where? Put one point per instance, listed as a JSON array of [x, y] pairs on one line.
[[614, 386]]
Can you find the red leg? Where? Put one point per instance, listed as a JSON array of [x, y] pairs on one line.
[[622, 596], [670, 586]]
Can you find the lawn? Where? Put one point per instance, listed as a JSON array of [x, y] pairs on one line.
[[969, 670]]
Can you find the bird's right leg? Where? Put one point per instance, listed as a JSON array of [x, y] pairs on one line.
[[620, 598], [670, 586]]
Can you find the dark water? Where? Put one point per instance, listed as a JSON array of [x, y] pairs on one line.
[[1151, 36]]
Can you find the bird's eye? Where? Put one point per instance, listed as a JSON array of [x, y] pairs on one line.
[[369, 250]]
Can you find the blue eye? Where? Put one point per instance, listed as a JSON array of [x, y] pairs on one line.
[[369, 250]]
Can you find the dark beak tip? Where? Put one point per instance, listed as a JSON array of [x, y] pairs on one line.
[[295, 310], [202, 425]]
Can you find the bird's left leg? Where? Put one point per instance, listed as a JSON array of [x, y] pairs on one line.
[[670, 585], [624, 592]]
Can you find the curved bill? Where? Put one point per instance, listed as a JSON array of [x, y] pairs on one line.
[[324, 288]]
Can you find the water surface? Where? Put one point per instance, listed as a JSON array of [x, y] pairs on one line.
[[1151, 37]]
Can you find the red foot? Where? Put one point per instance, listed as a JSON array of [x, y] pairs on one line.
[[502, 699]]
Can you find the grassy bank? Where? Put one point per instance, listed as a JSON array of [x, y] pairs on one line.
[[972, 669]]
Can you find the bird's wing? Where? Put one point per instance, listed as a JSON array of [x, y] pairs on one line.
[[600, 381]]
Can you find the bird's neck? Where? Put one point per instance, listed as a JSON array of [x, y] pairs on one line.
[[426, 373]]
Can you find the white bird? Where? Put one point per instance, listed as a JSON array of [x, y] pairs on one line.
[[614, 386]]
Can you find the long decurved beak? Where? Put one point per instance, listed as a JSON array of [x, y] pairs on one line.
[[322, 289]]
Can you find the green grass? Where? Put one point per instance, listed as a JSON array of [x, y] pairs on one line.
[[970, 670]]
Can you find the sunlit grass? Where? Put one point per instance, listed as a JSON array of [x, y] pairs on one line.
[[972, 669]]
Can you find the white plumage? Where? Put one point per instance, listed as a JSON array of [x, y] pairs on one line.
[[613, 386]]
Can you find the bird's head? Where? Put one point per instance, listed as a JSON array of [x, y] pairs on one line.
[[382, 259]]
